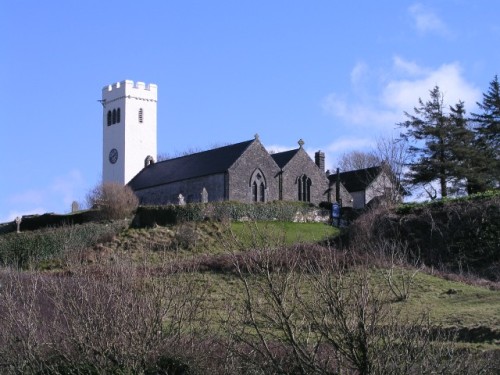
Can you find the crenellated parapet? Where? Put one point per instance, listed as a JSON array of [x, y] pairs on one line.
[[128, 84], [129, 90]]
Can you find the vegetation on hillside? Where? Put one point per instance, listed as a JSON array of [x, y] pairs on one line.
[[242, 298]]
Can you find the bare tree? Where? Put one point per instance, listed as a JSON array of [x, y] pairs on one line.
[[355, 160], [326, 315], [114, 201]]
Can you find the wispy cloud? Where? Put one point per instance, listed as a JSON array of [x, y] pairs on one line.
[[426, 21], [56, 197], [397, 91]]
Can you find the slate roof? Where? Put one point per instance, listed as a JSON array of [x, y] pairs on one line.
[[282, 158], [357, 180], [199, 164]]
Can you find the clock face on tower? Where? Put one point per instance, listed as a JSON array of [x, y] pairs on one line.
[[113, 156]]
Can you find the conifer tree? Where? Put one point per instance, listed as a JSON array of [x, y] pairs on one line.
[[438, 143], [487, 142]]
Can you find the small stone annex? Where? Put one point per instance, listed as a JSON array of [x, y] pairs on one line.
[[243, 172]]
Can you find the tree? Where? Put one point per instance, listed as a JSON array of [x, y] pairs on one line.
[[358, 160], [390, 153], [487, 141], [113, 200], [437, 140]]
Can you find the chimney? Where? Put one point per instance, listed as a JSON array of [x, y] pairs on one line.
[[319, 159]]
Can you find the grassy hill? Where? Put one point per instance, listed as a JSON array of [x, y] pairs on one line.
[[235, 298]]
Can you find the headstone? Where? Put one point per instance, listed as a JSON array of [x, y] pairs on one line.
[[18, 224], [181, 200], [75, 206], [204, 196]]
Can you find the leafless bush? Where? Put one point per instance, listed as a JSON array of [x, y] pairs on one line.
[[113, 200], [99, 320], [329, 318]]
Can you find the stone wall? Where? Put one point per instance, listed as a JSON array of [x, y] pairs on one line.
[[191, 190], [299, 165], [240, 174]]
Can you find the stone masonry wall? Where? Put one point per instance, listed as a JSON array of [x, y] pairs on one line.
[[299, 165], [240, 173], [191, 190]]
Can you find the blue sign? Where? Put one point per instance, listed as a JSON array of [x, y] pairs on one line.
[[336, 210]]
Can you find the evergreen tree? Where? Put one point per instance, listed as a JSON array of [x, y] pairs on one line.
[[462, 152], [487, 141], [439, 144]]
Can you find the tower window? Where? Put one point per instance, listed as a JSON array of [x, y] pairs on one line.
[[118, 115], [114, 116], [304, 188], [140, 115], [109, 118]]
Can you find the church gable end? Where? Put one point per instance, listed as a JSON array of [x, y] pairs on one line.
[[253, 177], [302, 179]]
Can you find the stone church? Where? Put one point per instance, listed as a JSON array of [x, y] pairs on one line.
[[243, 172]]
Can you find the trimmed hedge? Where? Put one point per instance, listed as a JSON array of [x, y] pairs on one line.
[[26, 248], [49, 220], [147, 216]]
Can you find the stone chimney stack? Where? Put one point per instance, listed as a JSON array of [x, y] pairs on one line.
[[319, 159]]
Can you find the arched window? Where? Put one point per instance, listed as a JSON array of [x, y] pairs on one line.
[[114, 116], [304, 188], [149, 161], [258, 186], [109, 118], [140, 115], [118, 115]]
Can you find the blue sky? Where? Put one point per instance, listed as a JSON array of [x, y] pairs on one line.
[[336, 74]]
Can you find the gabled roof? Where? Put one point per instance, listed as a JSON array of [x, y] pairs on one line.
[[282, 158], [199, 164], [357, 180]]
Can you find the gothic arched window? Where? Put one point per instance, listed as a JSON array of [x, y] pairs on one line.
[[149, 161], [109, 118], [304, 188], [258, 185], [118, 115], [114, 116]]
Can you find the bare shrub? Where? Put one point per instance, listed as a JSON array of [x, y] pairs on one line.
[[326, 316], [100, 320], [113, 200]]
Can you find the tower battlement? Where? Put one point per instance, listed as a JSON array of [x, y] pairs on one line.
[[128, 84], [130, 88]]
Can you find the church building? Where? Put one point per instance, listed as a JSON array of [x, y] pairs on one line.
[[243, 172]]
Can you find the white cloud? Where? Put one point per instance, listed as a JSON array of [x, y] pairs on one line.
[[58, 195], [400, 90], [402, 95], [66, 186], [426, 21], [348, 144], [358, 73]]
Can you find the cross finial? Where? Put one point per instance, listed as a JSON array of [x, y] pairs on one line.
[[256, 136], [301, 143]]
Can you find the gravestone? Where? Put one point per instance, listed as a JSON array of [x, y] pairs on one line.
[[18, 224], [204, 196], [181, 200], [75, 206]]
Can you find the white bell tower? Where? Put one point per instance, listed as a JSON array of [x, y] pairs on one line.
[[129, 129]]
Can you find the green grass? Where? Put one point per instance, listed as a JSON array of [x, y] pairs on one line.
[[287, 232]]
